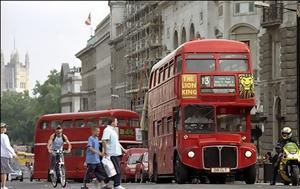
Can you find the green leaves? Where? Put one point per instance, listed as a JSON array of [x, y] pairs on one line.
[[20, 111]]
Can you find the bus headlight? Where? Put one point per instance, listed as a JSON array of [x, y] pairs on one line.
[[191, 154], [248, 154]]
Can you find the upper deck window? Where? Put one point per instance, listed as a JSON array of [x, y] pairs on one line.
[[198, 65], [134, 123], [79, 123], [178, 64], [92, 123], [233, 65], [55, 123], [67, 123], [233, 62], [45, 125]]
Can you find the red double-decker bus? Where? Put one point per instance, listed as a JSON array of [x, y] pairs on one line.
[[200, 97], [77, 127]]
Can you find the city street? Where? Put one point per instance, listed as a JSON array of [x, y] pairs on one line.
[[38, 185]]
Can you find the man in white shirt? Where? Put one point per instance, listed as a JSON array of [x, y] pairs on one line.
[[112, 147], [7, 153]]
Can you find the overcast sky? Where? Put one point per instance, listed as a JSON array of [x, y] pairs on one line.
[[52, 32]]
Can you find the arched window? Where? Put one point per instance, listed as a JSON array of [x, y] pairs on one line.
[[183, 35], [192, 32], [175, 40]]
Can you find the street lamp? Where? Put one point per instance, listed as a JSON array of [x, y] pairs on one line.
[[260, 4]]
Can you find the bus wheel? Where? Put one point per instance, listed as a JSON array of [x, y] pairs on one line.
[[250, 174], [181, 172]]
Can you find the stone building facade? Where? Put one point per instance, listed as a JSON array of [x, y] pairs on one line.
[[14, 74], [95, 69], [118, 50], [70, 80], [278, 71]]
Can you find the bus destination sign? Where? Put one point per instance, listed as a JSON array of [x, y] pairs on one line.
[[189, 86], [224, 81]]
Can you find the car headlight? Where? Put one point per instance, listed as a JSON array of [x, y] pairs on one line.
[[248, 154], [191, 154]]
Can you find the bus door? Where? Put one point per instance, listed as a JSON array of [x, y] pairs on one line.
[[176, 123]]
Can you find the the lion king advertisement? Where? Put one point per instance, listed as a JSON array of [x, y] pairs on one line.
[[246, 86]]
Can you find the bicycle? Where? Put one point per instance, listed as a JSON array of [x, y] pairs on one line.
[[59, 174]]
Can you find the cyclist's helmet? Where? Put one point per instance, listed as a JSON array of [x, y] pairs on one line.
[[286, 133]]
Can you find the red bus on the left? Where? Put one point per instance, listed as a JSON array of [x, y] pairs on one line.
[[77, 127]]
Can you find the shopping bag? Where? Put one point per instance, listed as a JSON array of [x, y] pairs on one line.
[[109, 166]]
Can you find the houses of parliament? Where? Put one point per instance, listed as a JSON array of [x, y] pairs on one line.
[[14, 74]]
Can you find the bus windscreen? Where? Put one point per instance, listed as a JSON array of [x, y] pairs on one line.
[[199, 119]]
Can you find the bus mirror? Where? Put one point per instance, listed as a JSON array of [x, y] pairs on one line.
[[32, 150]]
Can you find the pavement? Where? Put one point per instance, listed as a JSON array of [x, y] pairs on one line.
[[26, 184]]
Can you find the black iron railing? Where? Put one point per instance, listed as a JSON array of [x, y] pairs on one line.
[[272, 15]]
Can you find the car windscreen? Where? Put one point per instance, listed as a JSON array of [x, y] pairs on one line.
[[133, 158], [145, 158]]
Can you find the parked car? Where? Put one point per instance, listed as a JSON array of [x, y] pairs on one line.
[[142, 171], [128, 163]]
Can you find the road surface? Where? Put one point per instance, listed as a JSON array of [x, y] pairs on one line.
[[72, 185]]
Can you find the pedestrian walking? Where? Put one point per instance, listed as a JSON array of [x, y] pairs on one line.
[[93, 161], [113, 149], [7, 153]]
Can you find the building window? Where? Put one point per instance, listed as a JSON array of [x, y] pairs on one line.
[[201, 17], [22, 85], [276, 59], [84, 104], [220, 10], [244, 7]]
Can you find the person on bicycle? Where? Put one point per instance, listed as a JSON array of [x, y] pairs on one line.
[[56, 142], [286, 137]]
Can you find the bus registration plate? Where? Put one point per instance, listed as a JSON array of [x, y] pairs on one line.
[[220, 170]]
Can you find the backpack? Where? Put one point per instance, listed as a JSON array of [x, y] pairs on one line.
[[63, 137]]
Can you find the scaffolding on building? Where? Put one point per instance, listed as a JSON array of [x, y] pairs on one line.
[[143, 39]]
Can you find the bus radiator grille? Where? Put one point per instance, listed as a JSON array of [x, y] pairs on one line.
[[220, 156]]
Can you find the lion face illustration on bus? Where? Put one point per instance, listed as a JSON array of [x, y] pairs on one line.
[[246, 85]]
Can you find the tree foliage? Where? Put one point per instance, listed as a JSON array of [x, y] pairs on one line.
[[20, 111]]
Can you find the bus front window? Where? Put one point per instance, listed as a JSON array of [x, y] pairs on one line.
[[231, 123], [199, 119]]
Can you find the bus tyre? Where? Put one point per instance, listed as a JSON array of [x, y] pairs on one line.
[[250, 174], [181, 171], [295, 175]]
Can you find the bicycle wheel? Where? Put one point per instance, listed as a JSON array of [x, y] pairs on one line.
[[63, 182], [53, 179]]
